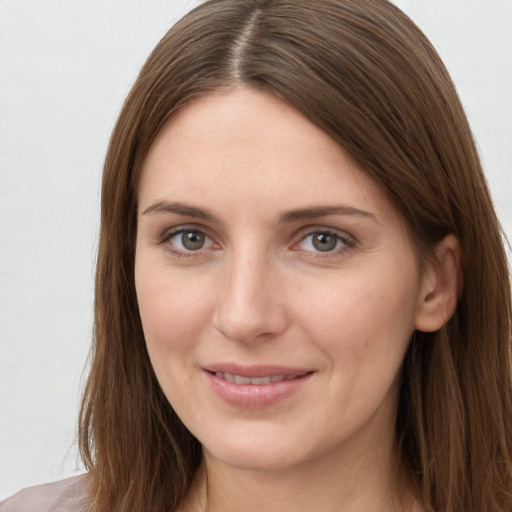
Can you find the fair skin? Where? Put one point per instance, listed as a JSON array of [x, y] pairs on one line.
[[264, 252]]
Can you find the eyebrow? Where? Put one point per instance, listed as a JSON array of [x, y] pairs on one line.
[[324, 211], [180, 209], [285, 217]]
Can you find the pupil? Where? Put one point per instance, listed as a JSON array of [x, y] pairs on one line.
[[324, 242], [192, 240]]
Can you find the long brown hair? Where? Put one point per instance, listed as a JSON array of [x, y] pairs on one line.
[[367, 76]]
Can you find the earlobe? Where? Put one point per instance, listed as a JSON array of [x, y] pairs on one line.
[[442, 286]]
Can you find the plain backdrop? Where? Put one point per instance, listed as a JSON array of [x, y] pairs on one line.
[[65, 68]]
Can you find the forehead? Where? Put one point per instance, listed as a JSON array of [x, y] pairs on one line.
[[250, 145], [230, 123]]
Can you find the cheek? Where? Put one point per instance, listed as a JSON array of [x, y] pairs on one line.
[[172, 308], [173, 314], [365, 317]]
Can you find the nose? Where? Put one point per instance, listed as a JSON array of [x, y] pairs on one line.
[[250, 303]]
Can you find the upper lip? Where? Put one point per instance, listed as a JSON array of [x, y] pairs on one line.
[[255, 370]]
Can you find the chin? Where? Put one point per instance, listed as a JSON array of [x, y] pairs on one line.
[[256, 459], [262, 449]]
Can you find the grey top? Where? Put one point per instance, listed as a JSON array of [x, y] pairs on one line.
[[69, 495]]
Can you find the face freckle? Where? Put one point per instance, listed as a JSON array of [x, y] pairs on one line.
[[255, 334]]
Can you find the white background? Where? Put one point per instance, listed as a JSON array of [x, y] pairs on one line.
[[65, 68]]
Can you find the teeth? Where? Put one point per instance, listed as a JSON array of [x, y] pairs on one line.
[[239, 379], [260, 380]]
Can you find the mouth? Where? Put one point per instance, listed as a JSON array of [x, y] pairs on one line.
[[256, 387], [256, 381]]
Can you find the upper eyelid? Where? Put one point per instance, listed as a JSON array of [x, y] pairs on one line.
[[170, 232], [297, 237], [310, 230]]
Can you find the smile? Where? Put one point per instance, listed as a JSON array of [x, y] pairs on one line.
[[256, 381], [256, 387]]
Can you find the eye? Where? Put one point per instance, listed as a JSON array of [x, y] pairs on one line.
[[324, 242], [187, 240]]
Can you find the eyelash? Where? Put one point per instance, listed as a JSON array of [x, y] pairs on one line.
[[341, 237]]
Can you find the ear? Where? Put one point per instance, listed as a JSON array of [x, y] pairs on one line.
[[441, 286]]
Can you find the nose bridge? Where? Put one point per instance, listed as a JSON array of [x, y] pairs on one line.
[[249, 304]]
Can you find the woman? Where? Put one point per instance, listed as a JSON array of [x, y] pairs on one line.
[[302, 295]]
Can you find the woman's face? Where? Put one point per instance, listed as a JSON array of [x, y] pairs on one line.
[[277, 285]]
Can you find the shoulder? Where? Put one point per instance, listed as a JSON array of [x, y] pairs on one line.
[[69, 495]]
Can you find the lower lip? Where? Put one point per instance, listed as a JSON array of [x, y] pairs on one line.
[[252, 396]]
